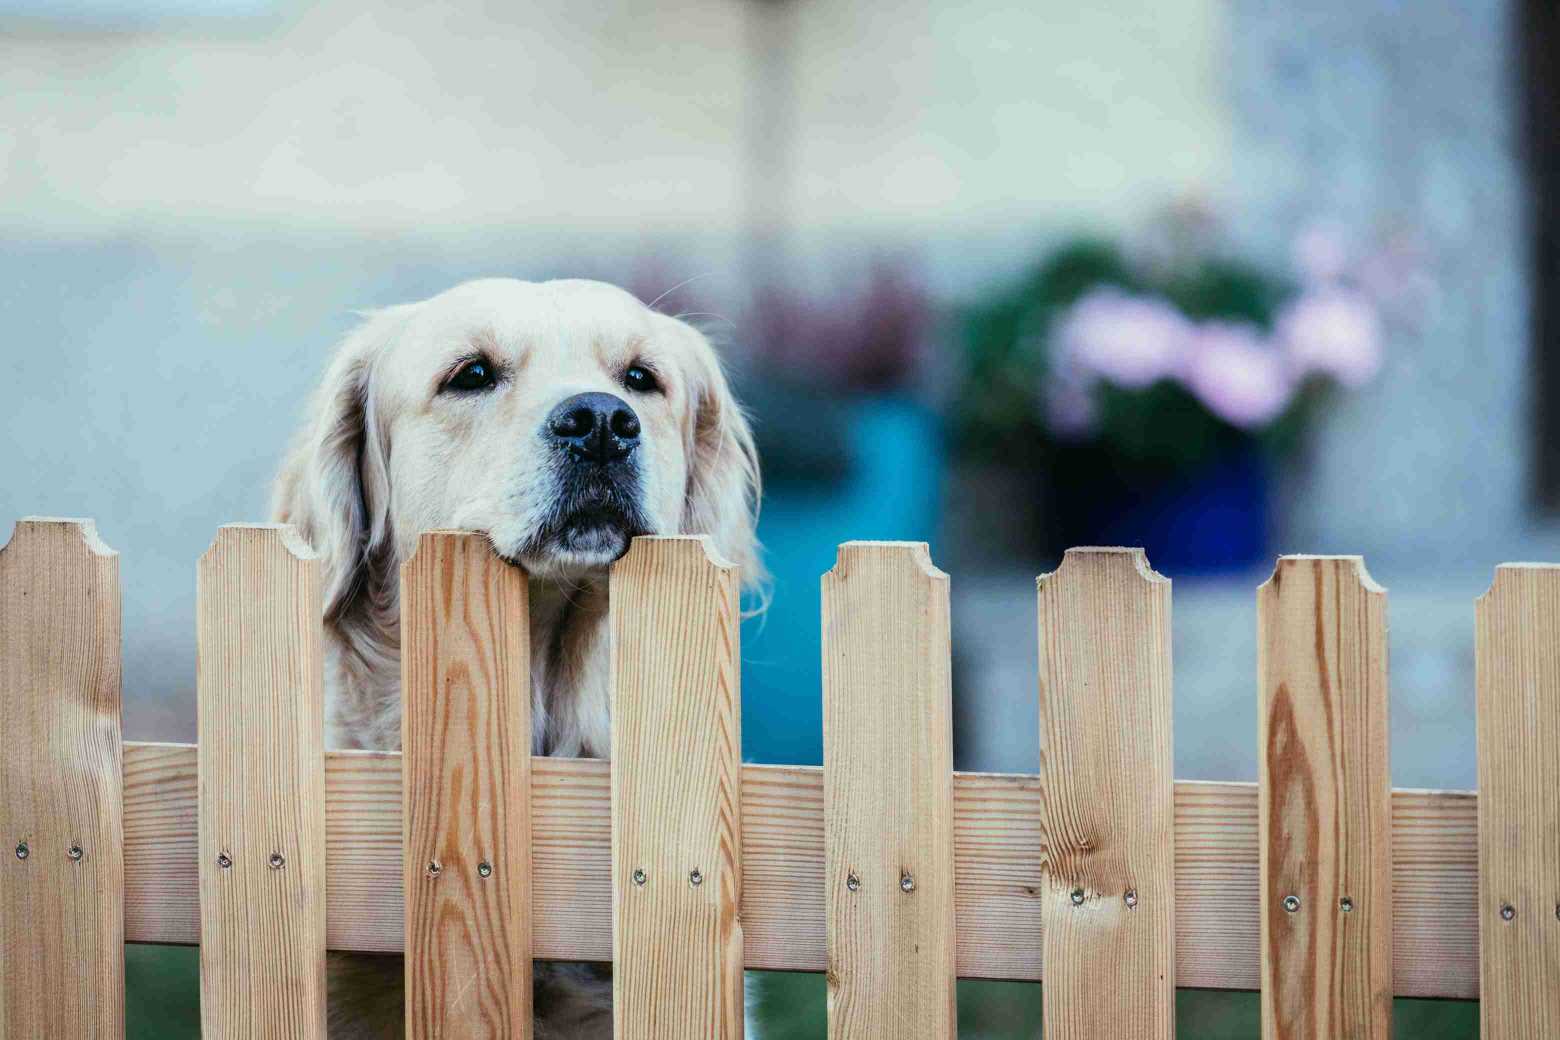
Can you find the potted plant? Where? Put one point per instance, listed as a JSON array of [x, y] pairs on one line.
[[1155, 392]]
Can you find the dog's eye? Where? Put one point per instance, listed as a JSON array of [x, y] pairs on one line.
[[476, 374], [640, 379]]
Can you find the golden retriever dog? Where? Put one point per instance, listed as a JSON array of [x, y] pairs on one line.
[[560, 419]]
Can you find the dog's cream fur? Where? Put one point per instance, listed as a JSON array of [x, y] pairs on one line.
[[389, 452]]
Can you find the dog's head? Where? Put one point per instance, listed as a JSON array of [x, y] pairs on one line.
[[558, 418]]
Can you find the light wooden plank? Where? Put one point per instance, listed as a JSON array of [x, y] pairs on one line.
[[259, 683], [888, 793], [997, 851], [62, 957], [1517, 647], [676, 793], [466, 750], [1326, 801], [1107, 797]]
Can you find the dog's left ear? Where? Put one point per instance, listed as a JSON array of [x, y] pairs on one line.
[[724, 486], [335, 486]]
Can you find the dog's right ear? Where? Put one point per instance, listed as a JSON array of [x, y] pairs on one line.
[[334, 486]]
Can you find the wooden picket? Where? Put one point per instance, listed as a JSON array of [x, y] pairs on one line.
[[1326, 802], [62, 956], [1101, 867], [261, 723], [888, 794], [466, 751], [676, 741], [1107, 797], [1518, 678]]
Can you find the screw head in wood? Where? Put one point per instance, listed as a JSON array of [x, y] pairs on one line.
[[639, 878], [695, 877], [906, 883], [276, 862], [435, 868], [852, 882], [1077, 897], [224, 860], [485, 869], [1291, 904], [1508, 912], [75, 853], [1130, 898], [1346, 905], [22, 851]]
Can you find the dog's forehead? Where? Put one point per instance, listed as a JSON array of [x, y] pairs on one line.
[[567, 313]]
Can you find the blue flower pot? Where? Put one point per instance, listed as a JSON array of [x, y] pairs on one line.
[[1212, 520]]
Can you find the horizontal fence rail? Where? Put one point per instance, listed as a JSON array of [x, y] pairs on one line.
[[997, 850], [1320, 885]]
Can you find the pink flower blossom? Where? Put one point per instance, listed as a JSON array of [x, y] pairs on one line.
[[1132, 341], [1069, 406], [1236, 376], [1334, 332], [1322, 253]]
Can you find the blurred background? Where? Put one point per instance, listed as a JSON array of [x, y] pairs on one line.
[[1224, 278]]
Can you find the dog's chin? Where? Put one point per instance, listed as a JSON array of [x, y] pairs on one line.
[[578, 546]]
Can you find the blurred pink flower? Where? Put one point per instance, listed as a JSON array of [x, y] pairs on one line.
[[1323, 252], [1132, 341], [1236, 376], [1333, 332], [1069, 406]]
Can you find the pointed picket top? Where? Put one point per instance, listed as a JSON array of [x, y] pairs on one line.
[[1109, 559], [30, 527], [241, 536], [662, 547], [853, 554], [1292, 562]]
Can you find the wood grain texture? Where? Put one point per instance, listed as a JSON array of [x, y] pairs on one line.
[[259, 693], [1326, 802], [1107, 803], [1517, 646], [676, 793], [888, 794], [997, 850], [62, 957], [466, 752]]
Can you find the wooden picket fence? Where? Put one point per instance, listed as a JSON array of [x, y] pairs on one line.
[[1320, 885]]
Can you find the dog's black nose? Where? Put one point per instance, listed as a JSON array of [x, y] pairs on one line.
[[595, 427]]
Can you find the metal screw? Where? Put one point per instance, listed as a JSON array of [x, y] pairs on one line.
[[695, 877], [1346, 905], [1508, 912], [853, 883], [906, 883], [485, 869], [1130, 899], [1077, 897], [435, 868], [1291, 904], [75, 853], [276, 862], [224, 860], [22, 851], [639, 878]]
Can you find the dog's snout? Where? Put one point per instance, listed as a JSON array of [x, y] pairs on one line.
[[596, 427]]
